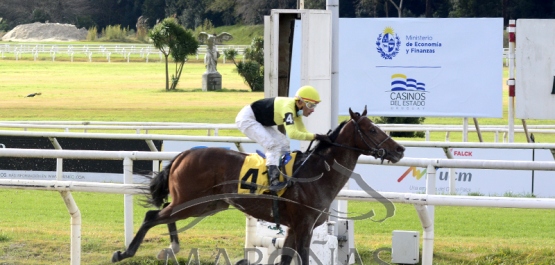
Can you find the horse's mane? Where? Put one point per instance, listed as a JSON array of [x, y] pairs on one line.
[[333, 136], [320, 148]]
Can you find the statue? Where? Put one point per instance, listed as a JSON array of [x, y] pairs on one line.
[[211, 79], [212, 54], [142, 28]]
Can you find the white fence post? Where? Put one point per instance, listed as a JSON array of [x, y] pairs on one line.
[[428, 227], [75, 227], [128, 201]]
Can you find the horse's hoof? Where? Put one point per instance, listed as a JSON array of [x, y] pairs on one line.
[[117, 256], [164, 254]]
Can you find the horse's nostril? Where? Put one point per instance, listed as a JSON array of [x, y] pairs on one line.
[[400, 149]]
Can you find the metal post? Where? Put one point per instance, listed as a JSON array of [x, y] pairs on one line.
[[128, 201], [428, 235], [59, 161], [478, 130], [511, 29], [465, 130], [333, 6], [152, 147], [452, 184], [250, 235], [528, 140], [75, 227]]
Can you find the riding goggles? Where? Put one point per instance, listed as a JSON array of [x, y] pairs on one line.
[[309, 105]]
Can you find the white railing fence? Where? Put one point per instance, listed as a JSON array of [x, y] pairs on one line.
[[90, 51]]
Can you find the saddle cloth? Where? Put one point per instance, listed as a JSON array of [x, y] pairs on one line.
[[253, 178]]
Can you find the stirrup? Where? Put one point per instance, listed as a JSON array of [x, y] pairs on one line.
[[273, 179], [277, 187]]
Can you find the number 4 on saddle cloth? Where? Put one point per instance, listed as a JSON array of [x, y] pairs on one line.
[[254, 173]]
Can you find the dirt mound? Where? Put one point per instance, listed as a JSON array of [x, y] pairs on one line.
[[45, 32]]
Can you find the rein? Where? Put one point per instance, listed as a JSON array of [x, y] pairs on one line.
[[376, 151]]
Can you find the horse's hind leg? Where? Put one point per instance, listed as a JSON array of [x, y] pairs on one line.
[[174, 243], [149, 222], [174, 239]]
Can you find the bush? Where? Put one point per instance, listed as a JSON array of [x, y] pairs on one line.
[[40, 15], [84, 22], [252, 70], [92, 34], [115, 33]]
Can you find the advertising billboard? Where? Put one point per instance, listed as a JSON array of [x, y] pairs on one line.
[[421, 67]]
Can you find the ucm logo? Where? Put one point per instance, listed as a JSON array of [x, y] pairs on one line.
[[415, 173]]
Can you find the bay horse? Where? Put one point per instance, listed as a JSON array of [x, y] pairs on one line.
[[197, 181]]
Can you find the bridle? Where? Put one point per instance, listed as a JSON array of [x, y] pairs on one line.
[[377, 151]]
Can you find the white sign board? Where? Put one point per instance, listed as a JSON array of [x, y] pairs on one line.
[[421, 67], [535, 69], [468, 181], [69, 176]]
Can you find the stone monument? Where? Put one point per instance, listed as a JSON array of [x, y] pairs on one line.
[[211, 79]]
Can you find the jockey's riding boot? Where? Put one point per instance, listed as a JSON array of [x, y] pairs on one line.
[[273, 177]]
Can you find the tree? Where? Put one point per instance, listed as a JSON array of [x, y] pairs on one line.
[[315, 4], [366, 8], [398, 7], [477, 8], [253, 12], [428, 8], [252, 70], [225, 9], [153, 10], [173, 39]]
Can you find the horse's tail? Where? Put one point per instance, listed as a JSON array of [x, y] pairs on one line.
[[159, 187]]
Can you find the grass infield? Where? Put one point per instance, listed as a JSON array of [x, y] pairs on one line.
[[34, 225]]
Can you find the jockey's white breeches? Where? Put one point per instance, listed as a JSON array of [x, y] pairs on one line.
[[269, 137]]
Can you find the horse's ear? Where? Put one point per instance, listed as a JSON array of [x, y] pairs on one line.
[[364, 112], [352, 114]]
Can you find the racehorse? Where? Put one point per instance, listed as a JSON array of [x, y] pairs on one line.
[[204, 181]]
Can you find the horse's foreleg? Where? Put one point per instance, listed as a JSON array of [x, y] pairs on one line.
[[289, 248], [297, 246], [148, 223], [303, 247]]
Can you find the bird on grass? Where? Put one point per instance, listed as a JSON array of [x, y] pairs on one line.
[[33, 94]]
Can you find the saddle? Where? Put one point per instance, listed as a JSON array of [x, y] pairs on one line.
[[253, 178]]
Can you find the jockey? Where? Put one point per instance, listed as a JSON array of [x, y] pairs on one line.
[[258, 122]]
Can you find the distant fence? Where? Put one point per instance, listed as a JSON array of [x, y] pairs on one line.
[[97, 52], [105, 52]]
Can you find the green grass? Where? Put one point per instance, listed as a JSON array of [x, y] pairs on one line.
[[34, 225], [116, 92], [463, 235]]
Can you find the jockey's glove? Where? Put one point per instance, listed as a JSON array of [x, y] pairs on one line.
[[322, 138]]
